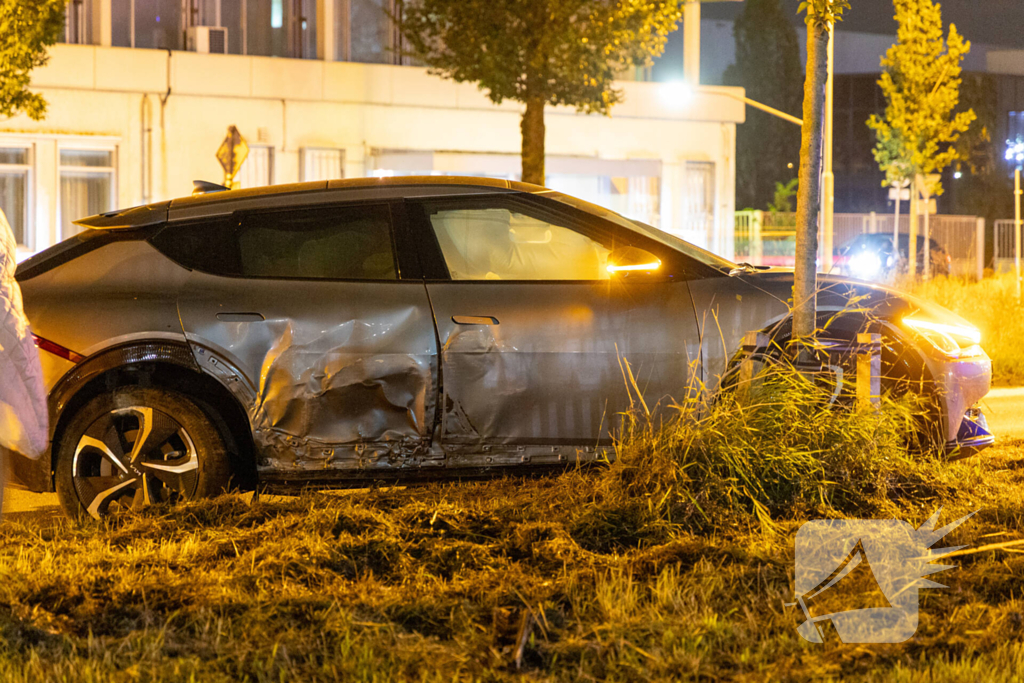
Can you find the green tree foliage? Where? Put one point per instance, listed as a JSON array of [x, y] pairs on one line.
[[538, 52], [984, 190], [921, 83], [784, 193], [768, 67], [822, 16], [27, 28]]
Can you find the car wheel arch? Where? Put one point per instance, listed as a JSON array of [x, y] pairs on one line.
[[845, 326], [163, 365]]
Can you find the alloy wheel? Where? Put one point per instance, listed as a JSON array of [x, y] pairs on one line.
[[134, 456]]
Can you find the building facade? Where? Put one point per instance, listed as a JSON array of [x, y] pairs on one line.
[[138, 105]]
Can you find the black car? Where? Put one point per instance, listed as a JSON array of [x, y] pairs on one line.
[[871, 257]]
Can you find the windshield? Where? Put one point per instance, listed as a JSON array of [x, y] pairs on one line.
[[671, 241]]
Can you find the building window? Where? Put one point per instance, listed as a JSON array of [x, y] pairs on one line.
[[1015, 129], [158, 24], [86, 186], [14, 191], [258, 168], [281, 28], [697, 203], [322, 164], [370, 31], [76, 22]]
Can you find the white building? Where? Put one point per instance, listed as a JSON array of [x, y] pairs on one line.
[[128, 125]]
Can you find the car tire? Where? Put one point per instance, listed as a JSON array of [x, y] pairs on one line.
[[101, 461]]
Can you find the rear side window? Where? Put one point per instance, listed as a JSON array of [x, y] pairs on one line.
[[327, 243]]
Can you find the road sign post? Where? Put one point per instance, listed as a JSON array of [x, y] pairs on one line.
[[231, 154], [899, 189]]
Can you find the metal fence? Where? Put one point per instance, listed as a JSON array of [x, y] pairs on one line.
[[1003, 256], [769, 239]]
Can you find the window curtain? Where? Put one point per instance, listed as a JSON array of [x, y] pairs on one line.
[[81, 195]]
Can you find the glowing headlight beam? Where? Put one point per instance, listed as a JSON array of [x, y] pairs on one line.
[[970, 334]]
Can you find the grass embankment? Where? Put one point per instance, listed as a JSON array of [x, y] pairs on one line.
[[672, 564], [992, 306]]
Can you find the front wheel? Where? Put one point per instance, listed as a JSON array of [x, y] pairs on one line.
[[137, 446]]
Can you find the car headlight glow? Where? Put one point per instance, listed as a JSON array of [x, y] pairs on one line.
[[955, 341], [865, 265]]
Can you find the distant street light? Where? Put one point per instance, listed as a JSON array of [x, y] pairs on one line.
[[1015, 153], [676, 94]]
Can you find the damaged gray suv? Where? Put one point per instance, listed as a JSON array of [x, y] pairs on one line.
[[346, 332]]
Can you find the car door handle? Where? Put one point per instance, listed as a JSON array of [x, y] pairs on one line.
[[475, 320], [240, 317]]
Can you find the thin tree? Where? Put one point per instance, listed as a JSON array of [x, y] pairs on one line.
[[538, 52], [821, 18], [921, 84], [768, 67], [27, 28]]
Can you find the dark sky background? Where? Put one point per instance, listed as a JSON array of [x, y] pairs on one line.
[[990, 22]]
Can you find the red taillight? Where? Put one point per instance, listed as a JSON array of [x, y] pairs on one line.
[[57, 349]]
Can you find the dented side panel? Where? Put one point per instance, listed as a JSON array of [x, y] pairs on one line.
[[558, 363], [338, 372]]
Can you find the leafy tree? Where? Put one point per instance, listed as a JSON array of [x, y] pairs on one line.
[[984, 188], [538, 52], [782, 203], [821, 18], [768, 67], [921, 84], [27, 28]]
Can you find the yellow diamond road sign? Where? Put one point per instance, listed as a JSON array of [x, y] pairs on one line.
[[232, 152]]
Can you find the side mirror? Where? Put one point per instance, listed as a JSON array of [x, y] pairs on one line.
[[626, 261]]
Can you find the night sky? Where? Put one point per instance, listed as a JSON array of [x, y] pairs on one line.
[[989, 22]]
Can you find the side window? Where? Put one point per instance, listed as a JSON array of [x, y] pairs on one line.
[[482, 243], [352, 243], [326, 243]]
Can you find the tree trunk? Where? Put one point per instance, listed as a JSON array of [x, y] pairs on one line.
[[808, 199], [533, 141]]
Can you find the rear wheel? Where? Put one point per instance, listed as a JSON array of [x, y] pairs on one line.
[[137, 446]]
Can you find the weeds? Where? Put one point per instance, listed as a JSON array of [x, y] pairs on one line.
[[672, 563]]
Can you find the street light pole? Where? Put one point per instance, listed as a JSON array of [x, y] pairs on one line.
[[828, 178], [1015, 153], [1016, 227]]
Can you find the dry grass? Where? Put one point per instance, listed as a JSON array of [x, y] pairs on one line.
[[671, 564], [992, 306]]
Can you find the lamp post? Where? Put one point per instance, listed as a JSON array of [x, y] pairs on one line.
[[1015, 153], [828, 178]]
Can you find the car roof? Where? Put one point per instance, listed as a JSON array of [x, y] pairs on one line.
[[350, 189]]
